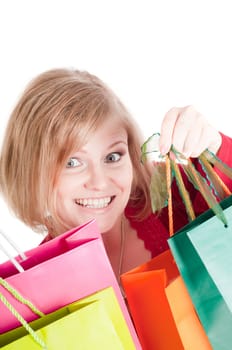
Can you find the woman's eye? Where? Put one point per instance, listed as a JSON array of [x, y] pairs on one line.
[[72, 163], [113, 157]]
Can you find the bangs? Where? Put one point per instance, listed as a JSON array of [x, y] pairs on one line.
[[75, 128]]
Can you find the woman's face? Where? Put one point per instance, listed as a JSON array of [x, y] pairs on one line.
[[96, 182]]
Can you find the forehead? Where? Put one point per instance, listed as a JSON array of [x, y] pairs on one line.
[[107, 133], [113, 127]]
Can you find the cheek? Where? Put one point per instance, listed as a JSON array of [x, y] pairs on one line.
[[62, 188], [65, 186], [126, 179]]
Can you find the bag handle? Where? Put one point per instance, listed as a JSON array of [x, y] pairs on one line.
[[170, 166], [15, 247], [216, 188], [17, 315], [210, 192]]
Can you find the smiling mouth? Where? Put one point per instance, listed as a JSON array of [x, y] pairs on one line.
[[94, 203]]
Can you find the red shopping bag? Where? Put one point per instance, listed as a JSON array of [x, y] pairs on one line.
[[59, 272], [161, 308]]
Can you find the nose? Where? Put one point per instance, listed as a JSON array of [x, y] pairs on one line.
[[96, 178]]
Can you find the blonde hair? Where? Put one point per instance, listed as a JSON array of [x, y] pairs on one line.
[[54, 116]]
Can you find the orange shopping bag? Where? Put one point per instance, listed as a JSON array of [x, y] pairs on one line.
[[161, 308]]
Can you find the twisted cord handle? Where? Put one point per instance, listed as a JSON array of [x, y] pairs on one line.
[[17, 315], [13, 245], [216, 189], [169, 182], [19, 297], [10, 257]]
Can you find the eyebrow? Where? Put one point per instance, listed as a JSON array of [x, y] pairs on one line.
[[114, 144], [117, 142]]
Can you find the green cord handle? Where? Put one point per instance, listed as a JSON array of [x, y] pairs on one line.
[[216, 187], [14, 312]]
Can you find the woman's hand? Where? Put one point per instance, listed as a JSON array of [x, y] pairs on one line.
[[189, 132]]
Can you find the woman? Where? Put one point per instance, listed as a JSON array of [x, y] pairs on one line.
[[71, 153]]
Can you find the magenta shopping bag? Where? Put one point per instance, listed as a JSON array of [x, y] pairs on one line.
[[59, 272]]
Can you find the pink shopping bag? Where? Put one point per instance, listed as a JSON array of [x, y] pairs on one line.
[[59, 272]]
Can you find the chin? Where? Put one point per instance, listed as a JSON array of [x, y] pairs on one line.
[[104, 228]]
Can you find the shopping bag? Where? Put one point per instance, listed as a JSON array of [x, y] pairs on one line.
[[161, 308], [59, 272], [95, 322], [202, 248], [202, 251]]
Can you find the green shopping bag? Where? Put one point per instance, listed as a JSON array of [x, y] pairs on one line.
[[95, 322], [203, 254]]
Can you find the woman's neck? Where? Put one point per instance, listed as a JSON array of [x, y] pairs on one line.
[[114, 241]]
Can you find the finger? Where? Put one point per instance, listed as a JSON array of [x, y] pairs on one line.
[[199, 149], [167, 127], [185, 132], [209, 139], [195, 139]]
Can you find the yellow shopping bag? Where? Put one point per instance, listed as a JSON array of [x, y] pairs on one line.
[[95, 322]]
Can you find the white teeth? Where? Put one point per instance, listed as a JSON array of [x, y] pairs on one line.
[[94, 202]]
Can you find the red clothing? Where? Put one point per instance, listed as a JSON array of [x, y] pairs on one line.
[[154, 229]]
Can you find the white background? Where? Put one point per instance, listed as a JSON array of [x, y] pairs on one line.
[[154, 54]]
